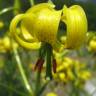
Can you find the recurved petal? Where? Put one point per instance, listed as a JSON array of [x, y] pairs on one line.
[[76, 22], [13, 26]]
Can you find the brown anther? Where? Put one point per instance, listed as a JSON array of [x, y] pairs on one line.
[[54, 65], [39, 64]]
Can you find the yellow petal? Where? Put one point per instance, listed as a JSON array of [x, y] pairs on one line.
[[47, 25], [51, 94], [13, 25], [76, 22], [41, 6], [26, 35], [28, 23]]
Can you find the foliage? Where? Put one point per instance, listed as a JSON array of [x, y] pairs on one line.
[[74, 67]]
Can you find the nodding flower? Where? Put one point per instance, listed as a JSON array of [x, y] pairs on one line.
[[39, 29], [41, 22]]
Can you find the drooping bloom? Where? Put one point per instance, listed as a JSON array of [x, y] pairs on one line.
[[39, 25]]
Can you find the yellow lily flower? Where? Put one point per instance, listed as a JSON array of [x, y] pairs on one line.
[[40, 25]]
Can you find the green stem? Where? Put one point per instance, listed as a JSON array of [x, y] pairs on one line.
[[25, 80], [32, 2], [6, 10], [17, 6], [50, 1], [37, 87]]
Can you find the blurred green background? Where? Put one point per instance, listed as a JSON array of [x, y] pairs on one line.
[[11, 83]]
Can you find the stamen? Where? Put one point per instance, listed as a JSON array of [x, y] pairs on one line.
[[54, 65], [37, 63], [40, 65]]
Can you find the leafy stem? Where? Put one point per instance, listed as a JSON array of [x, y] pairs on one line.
[[7, 10], [20, 67], [37, 86], [32, 2]]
